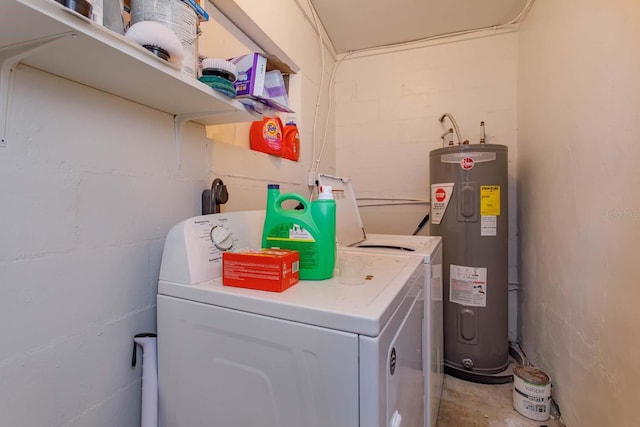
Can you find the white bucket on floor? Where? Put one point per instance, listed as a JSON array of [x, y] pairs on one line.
[[531, 392]]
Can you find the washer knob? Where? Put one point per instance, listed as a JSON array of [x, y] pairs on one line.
[[221, 237]]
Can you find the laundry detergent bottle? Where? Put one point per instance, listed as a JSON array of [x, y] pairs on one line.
[[291, 141], [311, 231], [266, 136]]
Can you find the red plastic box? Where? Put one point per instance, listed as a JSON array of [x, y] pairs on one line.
[[263, 269]]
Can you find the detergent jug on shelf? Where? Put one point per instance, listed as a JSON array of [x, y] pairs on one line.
[[291, 141], [266, 136], [311, 231]]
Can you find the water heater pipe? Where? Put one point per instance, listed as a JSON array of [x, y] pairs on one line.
[[455, 125]]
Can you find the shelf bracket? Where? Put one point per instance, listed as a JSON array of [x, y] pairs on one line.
[[178, 125], [10, 57]]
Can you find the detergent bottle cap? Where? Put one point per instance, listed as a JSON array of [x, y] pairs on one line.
[[291, 121], [326, 193], [273, 186]]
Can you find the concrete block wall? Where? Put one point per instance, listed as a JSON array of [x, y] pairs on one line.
[[387, 110], [90, 187], [578, 130], [247, 173]]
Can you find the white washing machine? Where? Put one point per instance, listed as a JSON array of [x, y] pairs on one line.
[[320, 354], [351, 236]]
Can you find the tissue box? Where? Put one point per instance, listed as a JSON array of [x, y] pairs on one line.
[[275, 92], [251, 69], [264, 269], [260, 84]]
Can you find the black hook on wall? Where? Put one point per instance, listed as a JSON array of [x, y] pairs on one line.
[[214, 197]]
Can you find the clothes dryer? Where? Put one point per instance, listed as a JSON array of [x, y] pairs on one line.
[[351, 236]]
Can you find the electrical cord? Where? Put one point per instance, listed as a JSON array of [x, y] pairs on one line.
[[422, 223], [317, 107]]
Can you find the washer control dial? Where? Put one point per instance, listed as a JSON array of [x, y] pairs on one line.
[[221, 237]]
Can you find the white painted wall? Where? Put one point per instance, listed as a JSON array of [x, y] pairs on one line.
[[578, 127], [387, 111], [90, 187], [247, 173]]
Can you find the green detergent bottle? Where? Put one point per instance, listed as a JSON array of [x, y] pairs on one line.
[[310, 231]]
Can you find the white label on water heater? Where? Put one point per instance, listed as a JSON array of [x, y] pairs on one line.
[[489, 225], [440, 196], [468, 285]]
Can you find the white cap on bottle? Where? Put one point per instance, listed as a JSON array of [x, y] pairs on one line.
[[326, 193]]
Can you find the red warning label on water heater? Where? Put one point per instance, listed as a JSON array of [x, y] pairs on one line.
[[466, 163], [440, 196]]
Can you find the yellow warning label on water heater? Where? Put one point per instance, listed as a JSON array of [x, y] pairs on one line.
[[489, 200]]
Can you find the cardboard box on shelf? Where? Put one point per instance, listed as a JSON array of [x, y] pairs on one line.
[[260, 81], [251, 70]]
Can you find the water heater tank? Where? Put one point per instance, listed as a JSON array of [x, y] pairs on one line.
[[469, 211]]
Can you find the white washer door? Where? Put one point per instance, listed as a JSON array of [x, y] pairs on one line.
[[394, 397], [433, 345], [222, 367]]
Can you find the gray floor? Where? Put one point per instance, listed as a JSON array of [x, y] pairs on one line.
[[467, 404]]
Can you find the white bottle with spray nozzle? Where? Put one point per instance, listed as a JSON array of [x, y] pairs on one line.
[[326, 193]]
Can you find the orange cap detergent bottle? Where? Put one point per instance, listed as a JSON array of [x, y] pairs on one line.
[[291, 141], [266, 136], [310, 231]]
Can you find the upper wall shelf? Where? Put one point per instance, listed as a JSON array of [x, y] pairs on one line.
[[97, 57]]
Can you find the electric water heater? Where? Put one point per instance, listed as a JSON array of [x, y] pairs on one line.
[[469, 211]]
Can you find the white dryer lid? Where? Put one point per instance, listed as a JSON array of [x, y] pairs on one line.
[[349, 228], [425, 246], [350, 231]]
